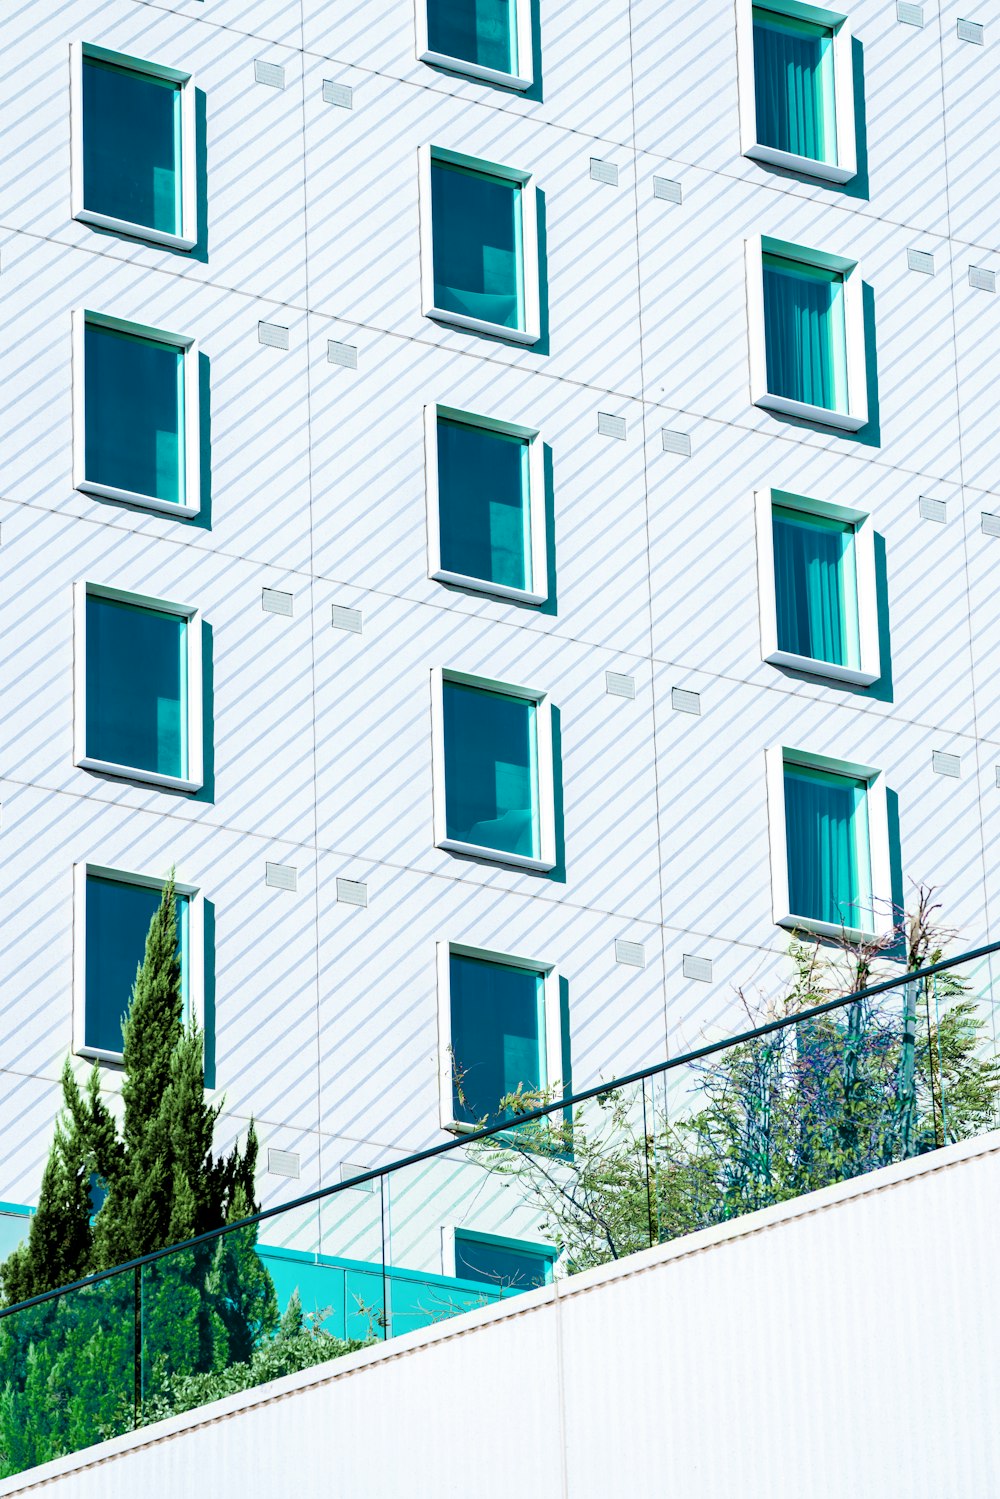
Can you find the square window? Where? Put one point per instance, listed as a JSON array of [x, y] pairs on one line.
[[487, 39], [797, 88], [485, 505], [112, 915], [807, 335], [830, 867], [493, 771], [137, 428], [491, 1260], [134, 147], [818, 605], [138, 688], [479, 246], [500, 1029]]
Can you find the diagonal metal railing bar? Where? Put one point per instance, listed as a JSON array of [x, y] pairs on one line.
[[568, 1101]]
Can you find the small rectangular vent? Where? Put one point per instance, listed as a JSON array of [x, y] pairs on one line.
[[611, 426], [946, 765], [346, 619], [270, 73], [933, 509], [352, 893], [633, 954], [990, 524], [342, 354], [338, 93], [920, 260], [273, 601], [667, 190], [970, 31], [997, 769], [348, 1169], [617, 684], [604, 171], [273, 335], [910, 15], [281, 876], [683, 701], [676, 442], [981, 279], [697, 968], [283, 1163]]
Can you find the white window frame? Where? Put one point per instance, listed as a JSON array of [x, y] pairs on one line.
[[191, 504], [551, 1006], [188, 237], [536, 506], [195, 778], [521, 80], [546, 792], [451, 1232], [870, 669], [846, 165], [531, 332], [195, 955], [881, 916], [856, 415]]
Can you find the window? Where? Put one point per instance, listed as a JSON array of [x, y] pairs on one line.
[[137, 429], [485, 505], [505, 1264], [138, 687], [797, 88], [500, 1030], [112, 916], [818, 606], [829, 846], [807, 335], [493, 771], [134, 147], [488, 39], [479, 246]]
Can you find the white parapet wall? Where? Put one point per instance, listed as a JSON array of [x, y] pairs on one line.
[[845, 1344]]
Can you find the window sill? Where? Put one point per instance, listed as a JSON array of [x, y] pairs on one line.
[[844, 421], [134, 231], [141, 777], [827, 669], [474, 70], [479, 325], [98, 1054], [139, 501], [490, 590], [831, 929], [808, 166], [496, 855]]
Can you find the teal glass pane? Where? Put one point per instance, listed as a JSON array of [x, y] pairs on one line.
[[479, 31], [491, 776], [117, 920], [477, 244], [829, 864], [805, 333], [131, 146], [497, 1034], [815, 587], [485, 516], [794, 83], [134, 405], [501, 1264], [136, 687]]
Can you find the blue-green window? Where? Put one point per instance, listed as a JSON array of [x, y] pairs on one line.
[[497, 1034], [794, 85], [118, 913], [483, 32], [805, 332], [134, 415], [828, 846], [132, 145], [137, 687], [501, 1262], [491, 770], [816, 587], [478, 244], [484, 504]]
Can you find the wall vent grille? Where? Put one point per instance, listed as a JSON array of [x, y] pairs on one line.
[[945, 764], [611, 426], [910, 15], [990, 524], [603, 171], [617, 684], [352, 893], [345, 619], [283, 1163], [683, 701], [273, 335], [697, 968], [667, 190], [281, 876], [676, 442], [632, 954], [936, 510], [970, 31], [274, 601], [338, 93], [981, 279], [920, 260], [270, 73], [342, 354]]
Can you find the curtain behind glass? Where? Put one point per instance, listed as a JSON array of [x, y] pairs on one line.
[[479, 31], [491, 774], [815, 587], [497, 1033], [805, 333], [477, 244], [826, 828], [794, 84], [131, 146]]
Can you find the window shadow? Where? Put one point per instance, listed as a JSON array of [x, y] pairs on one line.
[[208, 1019], [551, 605], [207, 792], [882, 689], [200, 251], [898, 949], [203, 520], [558, 872], [858, 186], [542, 346], [537, 91]]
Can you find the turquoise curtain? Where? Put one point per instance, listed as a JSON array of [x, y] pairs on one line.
[[479, 31], [501, 1264], [117, 920], [491, 777], [805, 333], [134, 413], [136, 687], [829, 866], [478, 249], [484, 503], [497, 1033], [794, 84], [132, 146], [815, 587]]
